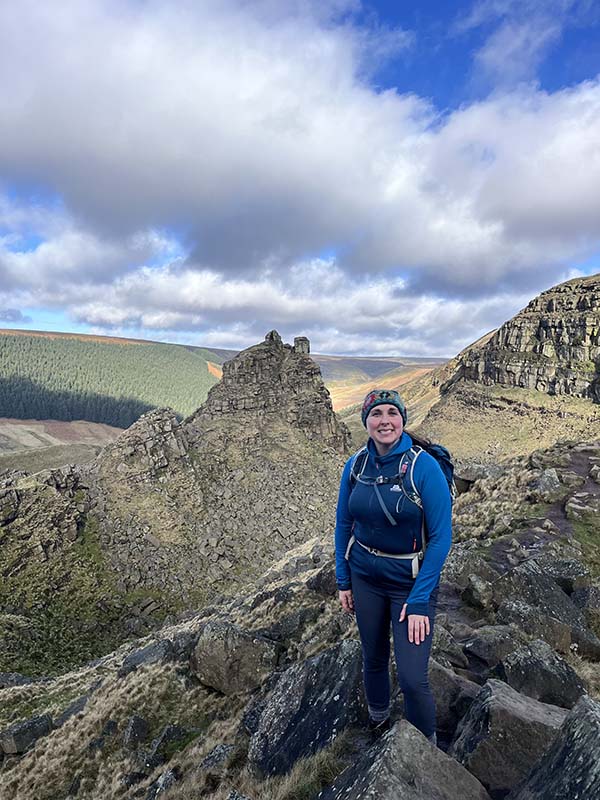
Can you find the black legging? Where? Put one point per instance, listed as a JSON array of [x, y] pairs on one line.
[[376, 605]]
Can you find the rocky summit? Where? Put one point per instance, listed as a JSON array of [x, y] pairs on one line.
[[258, 696], [533, 382], [171, 514], [551, 346]]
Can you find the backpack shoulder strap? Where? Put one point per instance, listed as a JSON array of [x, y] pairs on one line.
[[407, 471], [358, 464]]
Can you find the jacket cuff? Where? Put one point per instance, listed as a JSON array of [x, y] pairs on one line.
[[343, 586], [418, 608]]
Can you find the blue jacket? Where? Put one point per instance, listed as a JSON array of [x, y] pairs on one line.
[[359, 512]]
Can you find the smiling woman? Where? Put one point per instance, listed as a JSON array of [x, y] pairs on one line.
[[393, 533]]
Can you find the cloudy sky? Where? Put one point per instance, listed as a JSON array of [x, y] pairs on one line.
[[382, 177]]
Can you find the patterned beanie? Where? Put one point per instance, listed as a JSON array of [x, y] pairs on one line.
[[379, 397]]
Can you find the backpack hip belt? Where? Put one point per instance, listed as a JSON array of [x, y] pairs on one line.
[[414, 557]]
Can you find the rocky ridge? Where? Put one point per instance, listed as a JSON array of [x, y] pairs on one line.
[[259, 696], [170, 514], [552, 346]]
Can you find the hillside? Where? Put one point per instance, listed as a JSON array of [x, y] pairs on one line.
[[34, 445], [170, 514], [100, 380], [530, 384]]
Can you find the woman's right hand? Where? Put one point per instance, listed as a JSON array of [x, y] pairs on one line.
[[347, 600]]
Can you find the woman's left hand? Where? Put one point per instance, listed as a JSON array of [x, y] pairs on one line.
[[418, 626]]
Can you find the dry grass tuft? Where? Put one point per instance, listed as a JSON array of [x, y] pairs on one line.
[[307, 778]]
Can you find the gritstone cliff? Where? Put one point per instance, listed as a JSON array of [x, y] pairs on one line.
[[170, 514], [531, 383], [551, 346]]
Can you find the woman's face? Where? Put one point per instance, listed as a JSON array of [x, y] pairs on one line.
[[384, 426]]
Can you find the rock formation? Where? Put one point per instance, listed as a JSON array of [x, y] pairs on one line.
[[268, 681], [551, 346], [171, 513]]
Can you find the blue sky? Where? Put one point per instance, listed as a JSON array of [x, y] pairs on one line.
[[383, 177]]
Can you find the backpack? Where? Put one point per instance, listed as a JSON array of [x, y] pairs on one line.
[[404, 478]]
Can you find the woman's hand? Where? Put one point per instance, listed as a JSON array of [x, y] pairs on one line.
[[347, 600], [418, 626]]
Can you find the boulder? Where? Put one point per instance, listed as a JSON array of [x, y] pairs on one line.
[[588, 601], [569, 573], [14, 679], [445, 649], [323, 581], [155, 653], [76, 707], [537, 671], [478, 593], [217, 758], [491, 643], [405, 766], [453, 696], [529, 583], [163, 784], [232, 660], [19, 737], [503, 735], [570, 768], [311, 703], [136, 731], [528, 619], [159, 748], [547, 487]]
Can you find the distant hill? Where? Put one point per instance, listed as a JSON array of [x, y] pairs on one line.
[[34, 445], [99, 379], [111, 380]]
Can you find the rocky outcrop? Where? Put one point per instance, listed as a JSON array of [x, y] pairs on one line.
[[276, 388], [141, 713], [551, 346], [171, 513], [503, 735], [405, 766], [570, 768], [311, 703]]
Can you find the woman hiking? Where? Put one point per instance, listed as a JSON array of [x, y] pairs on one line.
[[393, 533]]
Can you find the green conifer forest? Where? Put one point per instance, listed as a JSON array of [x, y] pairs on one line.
[[68, 378]]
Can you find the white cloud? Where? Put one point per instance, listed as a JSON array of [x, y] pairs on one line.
[[522, 34], [227, 140], [316, 299]]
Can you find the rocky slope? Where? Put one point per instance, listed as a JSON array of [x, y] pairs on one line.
[[170, 514], [259, 695], [551, 346], [530, 384]]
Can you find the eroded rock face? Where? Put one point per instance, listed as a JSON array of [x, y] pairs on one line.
[[551, 346], [188, 509], [231, 660], [173, 513], [570, 768], [537, 671], [503, 735], [407, 766], [272, 386], [311, 703]]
